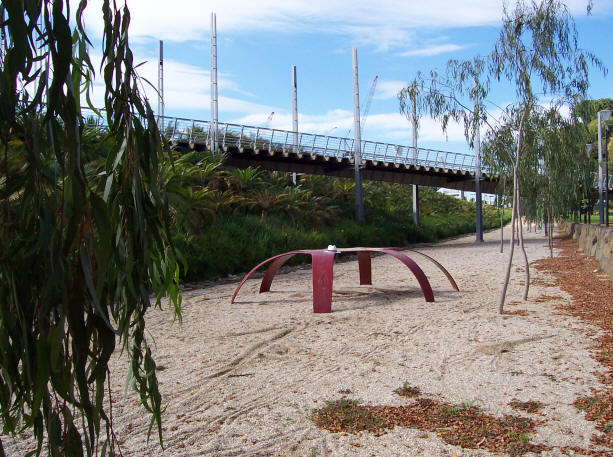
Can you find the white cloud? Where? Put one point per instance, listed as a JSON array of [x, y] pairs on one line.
[[397, 127], [384, 25], [388, 89], [433, 50], [322, 123], [383, 38], [186, 87]]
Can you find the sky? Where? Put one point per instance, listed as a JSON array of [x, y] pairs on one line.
[[258, 42]]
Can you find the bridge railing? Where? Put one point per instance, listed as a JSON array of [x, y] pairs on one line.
[[262, 138], [194, 132]]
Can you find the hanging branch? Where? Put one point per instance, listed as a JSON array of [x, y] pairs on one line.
[[85, 233], [537, 48]]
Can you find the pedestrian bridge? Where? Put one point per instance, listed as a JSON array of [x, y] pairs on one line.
[[298, 152]]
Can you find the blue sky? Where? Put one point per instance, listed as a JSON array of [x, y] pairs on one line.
[[259, 41]]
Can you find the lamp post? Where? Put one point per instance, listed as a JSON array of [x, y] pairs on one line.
[[603, 168], [588, 188], [606, 173]]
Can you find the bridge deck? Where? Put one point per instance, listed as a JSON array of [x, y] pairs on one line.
[[344, 167], [298, 152]]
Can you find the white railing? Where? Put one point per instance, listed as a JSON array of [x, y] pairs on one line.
[[191, 131]]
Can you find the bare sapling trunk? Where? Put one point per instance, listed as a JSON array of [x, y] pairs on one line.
[[517, 225], [502, 216], [523, 248], [501, 228], [549, 233], [514, 216], [507, 276]]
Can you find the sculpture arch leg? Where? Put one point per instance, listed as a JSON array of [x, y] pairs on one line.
[[253, 270], [440, 267], [323, 266], [364, 265], [271, 271], [424, 284]]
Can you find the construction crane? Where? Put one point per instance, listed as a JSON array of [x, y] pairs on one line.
[[368, 103], [269, 119], [366, 109]]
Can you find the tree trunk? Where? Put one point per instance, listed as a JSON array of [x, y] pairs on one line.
[[501, 227], [514, 216], [505, 285], [521, 244], [504, 188], [549, 235], [517, 225]]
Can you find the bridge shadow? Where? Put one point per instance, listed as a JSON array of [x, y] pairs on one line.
[[486, 244]]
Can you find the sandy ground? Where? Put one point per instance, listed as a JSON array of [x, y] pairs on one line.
[[243, 379]]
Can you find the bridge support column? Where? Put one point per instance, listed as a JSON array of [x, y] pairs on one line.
[[415, 204], [478, 200], [478, 210]]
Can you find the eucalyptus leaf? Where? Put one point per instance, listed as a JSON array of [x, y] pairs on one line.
[[84, 227]]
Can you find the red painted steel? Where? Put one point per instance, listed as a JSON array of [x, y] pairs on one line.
[[323, 268], [440, 267], [272, 269], [254, 269], [418, 272], [364, 264]]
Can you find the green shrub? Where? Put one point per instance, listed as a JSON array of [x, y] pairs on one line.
[[236, 242]]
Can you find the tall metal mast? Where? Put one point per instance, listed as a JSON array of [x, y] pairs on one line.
[[415, 186], [161, 87], [214, 101], [359, 203], [295, 108]]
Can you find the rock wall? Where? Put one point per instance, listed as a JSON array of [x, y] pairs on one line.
[[594, 240]]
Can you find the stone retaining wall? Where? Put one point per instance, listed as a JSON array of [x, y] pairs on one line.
[[594, 240]]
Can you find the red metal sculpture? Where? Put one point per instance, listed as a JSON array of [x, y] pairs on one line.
[[322, 261]]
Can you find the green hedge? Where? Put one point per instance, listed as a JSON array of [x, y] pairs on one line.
[[235, 243]]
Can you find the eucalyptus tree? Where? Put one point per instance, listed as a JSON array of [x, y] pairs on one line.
[[457, 95], [564, 166], [82, 247], [538, 53], [410, 98]]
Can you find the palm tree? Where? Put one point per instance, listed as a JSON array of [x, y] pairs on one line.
[[265, 200]]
